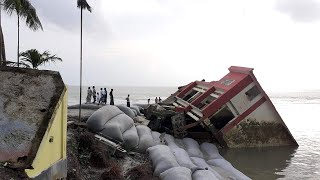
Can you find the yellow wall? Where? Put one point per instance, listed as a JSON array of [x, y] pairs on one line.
[[51, 152]]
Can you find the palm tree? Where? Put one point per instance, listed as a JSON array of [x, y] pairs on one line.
[[2, 49], [34, 58], [24, 10], [83, 5]]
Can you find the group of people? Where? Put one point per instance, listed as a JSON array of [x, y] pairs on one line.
[[156, 100], [100, 98]]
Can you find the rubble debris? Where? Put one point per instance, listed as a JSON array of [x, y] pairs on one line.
[[141, 172], [114, 172], [88, 159]]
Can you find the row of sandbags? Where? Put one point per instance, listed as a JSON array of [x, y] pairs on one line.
[[186, 159], [115, 123], [132, 111], [179, 159]]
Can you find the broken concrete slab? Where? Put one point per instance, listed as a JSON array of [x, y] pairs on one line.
[[28, 99]]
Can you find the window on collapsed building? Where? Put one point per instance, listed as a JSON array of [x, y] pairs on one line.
[[252, 93], [205, 102], [227, 82], [222, 117], [194, 97], [189, 95]]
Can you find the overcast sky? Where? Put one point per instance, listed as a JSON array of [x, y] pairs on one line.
[[173, 42]]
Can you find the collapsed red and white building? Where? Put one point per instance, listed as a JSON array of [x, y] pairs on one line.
[[235, 109]]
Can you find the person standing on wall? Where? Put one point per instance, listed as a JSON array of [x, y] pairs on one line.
[[148, 101], [101, 96], [98, 98], [156, 100], [105, 95], [111, 97], [94, 93], [128, 101], [89, 94]]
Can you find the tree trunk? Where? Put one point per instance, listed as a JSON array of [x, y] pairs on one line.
[[18, 40], [2, 49], [80, 66]]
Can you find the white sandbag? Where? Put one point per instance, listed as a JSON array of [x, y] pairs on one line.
[[192, 147], [124, 122], [134, 111], [156, 136], [137, 110], [126, 110], [224, 164], [131, 138], [183, 158], [179, 143], [176, 173], [170, 141], [113, 131], [203, 164], [203, 175], [162, 159], [100, 117], [145, 138], [210, 151], [115, 127]]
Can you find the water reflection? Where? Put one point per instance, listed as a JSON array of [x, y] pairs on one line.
[[260, 163]]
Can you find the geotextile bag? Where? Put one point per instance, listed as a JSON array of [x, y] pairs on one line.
[[162, 159], [210, 151], [170, 141], [100, 117], [126, 110], [115, 127], [203, 175], [156, 136], [130, 138], [183, 158], [203, 164], [224, 164], [192, 147], [145, 138], [136, 108], [176, 173]]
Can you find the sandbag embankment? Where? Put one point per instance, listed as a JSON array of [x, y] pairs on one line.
[[213, 158], [225, 165], [137, 109], [192, 147], [176, 173], [162, 159], [111, 122], [128, 111], [145, 138]]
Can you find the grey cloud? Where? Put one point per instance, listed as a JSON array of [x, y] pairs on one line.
[[66, 15], [300, 10], [63, 13]]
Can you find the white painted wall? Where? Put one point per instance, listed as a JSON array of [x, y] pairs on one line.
[[241, 102]]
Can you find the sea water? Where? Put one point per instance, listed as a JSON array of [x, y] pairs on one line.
[[299, 110]]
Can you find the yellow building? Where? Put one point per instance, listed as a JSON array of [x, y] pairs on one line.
[[33, 122]]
